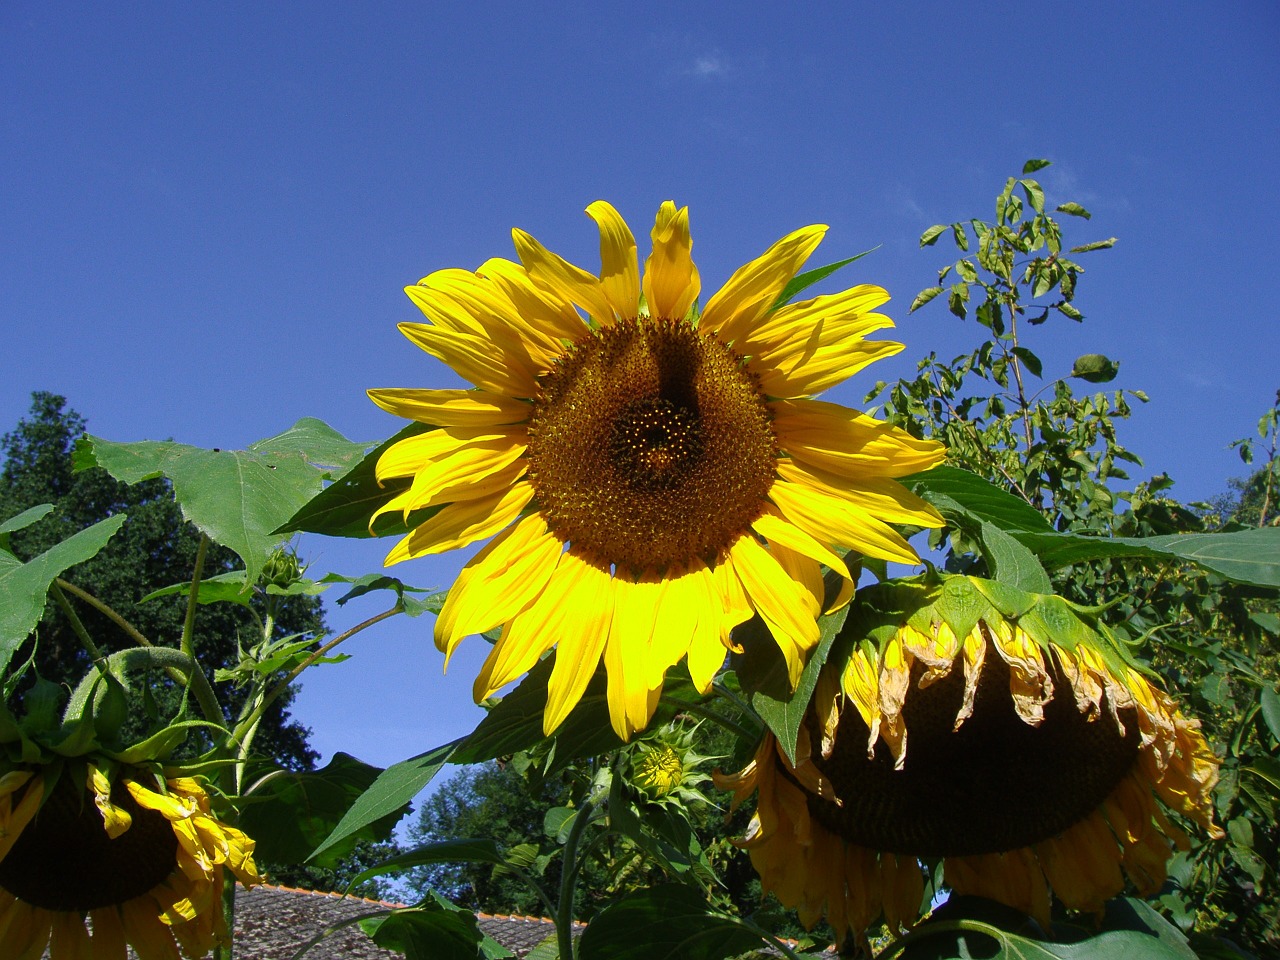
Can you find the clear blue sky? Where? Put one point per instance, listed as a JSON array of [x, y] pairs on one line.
[[208, 211]]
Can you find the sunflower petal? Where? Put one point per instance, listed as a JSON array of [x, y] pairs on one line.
[[452, 408], [582, 640], [778, 599], [671, 281], [754, 287], [567, 281], [849, 443], [619, 268], [459, 524], [829, 520]]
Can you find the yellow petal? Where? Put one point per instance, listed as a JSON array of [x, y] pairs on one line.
[[69, 940], [108, 934], [554, 316], [619, 269], [778, 599], [822, 360], [774, 527], [881, 497], [452, 408], [829, 520], [475, 359], [706, 648], [567, 281], [626, 658], [582, 640], [459, 524], [671, 282], [849, 443], [500, 581], [754, 287], [480, 468], [533, 631], [488, 306], [849, 310]]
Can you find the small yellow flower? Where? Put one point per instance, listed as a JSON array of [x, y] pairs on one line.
[[143, 862], [658, 770], [651, 476], [1029, 757]]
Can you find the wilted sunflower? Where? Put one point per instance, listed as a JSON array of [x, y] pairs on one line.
[[1001, 733], [662, 446], [141, 860]]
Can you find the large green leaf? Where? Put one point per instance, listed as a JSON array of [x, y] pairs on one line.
[[24, 586], [668, 922], [1246, 556], [393, 788], [25, 519], [294, 812], [238, 498], [344, 507], [434, 930], [953, 490]]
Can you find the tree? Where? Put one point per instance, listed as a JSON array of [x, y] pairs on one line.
[[156, 548]]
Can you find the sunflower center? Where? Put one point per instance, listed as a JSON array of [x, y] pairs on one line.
[[65, 861], [996, 784], [650, 445]]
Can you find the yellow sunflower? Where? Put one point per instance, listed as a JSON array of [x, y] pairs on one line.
[[1001, 733], [141, 861], [651, 475]]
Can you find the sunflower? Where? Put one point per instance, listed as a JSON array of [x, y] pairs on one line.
[[1001, 733], [651, 475], [141, 859]]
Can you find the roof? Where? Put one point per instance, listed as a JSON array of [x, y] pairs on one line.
[[273, 922]]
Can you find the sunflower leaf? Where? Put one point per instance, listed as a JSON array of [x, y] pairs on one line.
[[434, 929], [762, 672], [391, 790], [344, 507], [669, 922], [238, 498], [24, 587]]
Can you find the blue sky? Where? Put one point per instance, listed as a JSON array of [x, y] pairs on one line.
[[208, 212]]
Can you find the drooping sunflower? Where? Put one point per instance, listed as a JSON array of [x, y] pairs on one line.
[[652, 475], [92, 862], [1004, 734]]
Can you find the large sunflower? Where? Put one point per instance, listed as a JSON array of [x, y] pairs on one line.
[[141, 860], [1002, 733], [677, 455]]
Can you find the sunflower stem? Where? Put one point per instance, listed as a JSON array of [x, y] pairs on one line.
[[106, 610], [77, 625], [703, 711], [569, 877]]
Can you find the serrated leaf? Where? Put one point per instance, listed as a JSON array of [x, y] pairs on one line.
[[930, 236], [393, 788], [1031, 166], [238, 498], [950, 488], [26, 518], [434, 930], [1096, 245], [923, 297], [669, 922], [807, 279], [1095, 368], [24, 587], [294, 812], [1010, 562], [1074, 210]]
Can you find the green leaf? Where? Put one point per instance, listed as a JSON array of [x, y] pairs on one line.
[[1245, 556], [762, 671], [238, 498], [1067, 310], [807, 279], [923, 297], [1095, 368], [930, 236], [456, 850], [965, 493], [1031, 166], [1096, 245], [1010, 562], [25, 519], [393, 788], [1029, 360], [413, 606], [228, 587], [434, 930], [25, 586], [957, 232], [293, 812], [669, 922], [1035, 194], [344, 507], [1269, 703], [1074, 210]]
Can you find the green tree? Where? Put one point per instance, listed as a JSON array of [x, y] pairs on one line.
[[154, 549]]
